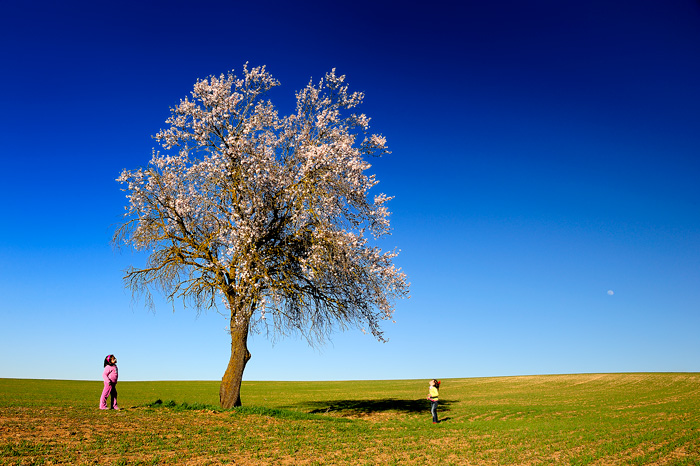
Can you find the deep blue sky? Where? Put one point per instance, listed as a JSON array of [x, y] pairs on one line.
[[545, 166]]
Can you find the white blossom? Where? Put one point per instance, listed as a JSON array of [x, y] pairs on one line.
[[269, 212]]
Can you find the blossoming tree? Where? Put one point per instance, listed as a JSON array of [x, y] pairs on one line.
[[268, 215]]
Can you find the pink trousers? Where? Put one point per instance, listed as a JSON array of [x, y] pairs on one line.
[[109, 390]]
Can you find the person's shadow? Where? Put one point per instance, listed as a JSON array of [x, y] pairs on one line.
[[367, 407]]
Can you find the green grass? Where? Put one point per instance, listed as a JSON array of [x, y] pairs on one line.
[[589, 419]]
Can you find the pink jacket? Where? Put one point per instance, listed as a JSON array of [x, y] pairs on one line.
[[110, 375]]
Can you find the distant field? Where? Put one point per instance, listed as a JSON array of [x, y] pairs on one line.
[[591, 419]]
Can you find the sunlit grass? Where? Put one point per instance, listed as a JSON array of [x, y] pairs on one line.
[[567, 419]]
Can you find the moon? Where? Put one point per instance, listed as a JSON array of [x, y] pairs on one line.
[[611, 292]]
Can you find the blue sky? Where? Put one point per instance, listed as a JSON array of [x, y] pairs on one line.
[[545, 170]]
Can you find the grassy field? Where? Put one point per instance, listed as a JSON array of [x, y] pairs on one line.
[[591, 419]]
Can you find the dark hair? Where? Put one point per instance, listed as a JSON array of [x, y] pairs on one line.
[[108, 360], [437, 383]]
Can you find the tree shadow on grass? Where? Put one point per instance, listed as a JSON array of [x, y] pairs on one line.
[[367, 407]]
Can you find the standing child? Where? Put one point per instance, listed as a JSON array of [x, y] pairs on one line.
[[433, 387], [110, 376]]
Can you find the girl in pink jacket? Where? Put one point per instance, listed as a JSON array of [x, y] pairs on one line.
[[110, 376]]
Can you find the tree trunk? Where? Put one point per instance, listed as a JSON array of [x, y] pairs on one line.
[[230, 390]]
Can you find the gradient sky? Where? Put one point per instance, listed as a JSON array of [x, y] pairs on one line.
[[545, 166]]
